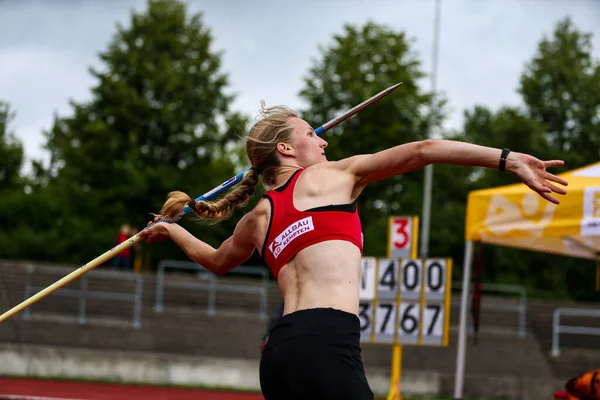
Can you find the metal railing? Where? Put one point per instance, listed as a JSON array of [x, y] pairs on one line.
[[209, 282], [520, 307], [83, 293], [557, 328]]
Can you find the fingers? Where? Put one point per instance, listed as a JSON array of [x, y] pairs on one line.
[[550, 198], [555, 188], [546, 190], [149, 235], [538, 187], [156, 219], [144, 233], [551, 177], [155, 232], [553, 163]]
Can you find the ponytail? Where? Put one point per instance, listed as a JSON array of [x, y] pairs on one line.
[[217, 210]]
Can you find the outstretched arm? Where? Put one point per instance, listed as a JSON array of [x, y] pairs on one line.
[[412, 156], [232, 252]]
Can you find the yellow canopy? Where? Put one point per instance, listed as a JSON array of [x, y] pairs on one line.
[[515, 216]]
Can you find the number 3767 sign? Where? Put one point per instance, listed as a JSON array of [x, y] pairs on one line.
[[405, 300]]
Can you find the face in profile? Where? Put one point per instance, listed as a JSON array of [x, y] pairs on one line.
[[308, 148]]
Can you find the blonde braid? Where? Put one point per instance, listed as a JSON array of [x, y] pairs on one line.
[[261, 147], [209, 210]]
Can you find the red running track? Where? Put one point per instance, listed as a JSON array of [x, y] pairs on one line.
[[34, 389]]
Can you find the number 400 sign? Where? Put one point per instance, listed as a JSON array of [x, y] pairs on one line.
[[405, 300]]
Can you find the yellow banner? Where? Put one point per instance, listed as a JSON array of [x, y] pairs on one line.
[[516, 216]]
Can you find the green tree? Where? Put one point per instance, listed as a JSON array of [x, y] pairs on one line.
[[452, 184], [560, 119], [158, 120], [22, 213], [359, 63], [11, 152], [11, 182], [507, 127], [561, 90]]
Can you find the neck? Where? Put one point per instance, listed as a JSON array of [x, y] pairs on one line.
[[283, 173]]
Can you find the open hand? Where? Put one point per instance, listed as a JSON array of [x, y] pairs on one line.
[[532, 172]]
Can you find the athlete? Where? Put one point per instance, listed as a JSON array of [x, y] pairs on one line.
[[308, 230]]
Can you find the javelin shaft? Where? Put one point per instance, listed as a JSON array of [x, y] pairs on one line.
[[206, 196], [338, 120], [70, 277]]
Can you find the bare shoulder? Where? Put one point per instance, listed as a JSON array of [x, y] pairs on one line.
[[250, 222], [339, 170], [257, 217], [261, 209], [254, 224], [326, 177]]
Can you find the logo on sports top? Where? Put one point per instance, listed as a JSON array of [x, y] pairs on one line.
[[290, 233]]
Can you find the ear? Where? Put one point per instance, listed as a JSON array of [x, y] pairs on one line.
[[285, 149]]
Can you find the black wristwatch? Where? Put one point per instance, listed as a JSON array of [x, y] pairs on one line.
[[503, 157]]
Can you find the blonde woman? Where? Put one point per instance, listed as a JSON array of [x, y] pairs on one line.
[[308, 230]]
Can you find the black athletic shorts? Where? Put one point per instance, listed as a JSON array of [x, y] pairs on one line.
[[314, 354]]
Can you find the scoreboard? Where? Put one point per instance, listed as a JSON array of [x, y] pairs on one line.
[[405, 300], [402, 236]]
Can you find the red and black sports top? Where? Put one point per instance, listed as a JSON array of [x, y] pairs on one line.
[[291, 230]]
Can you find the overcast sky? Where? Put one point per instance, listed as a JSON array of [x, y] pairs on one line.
[[46, 47]]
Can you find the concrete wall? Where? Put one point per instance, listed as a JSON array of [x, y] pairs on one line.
[[183, 345], [131, 367]]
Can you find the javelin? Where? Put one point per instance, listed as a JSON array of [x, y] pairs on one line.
[[323, 128], [206, 196]]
